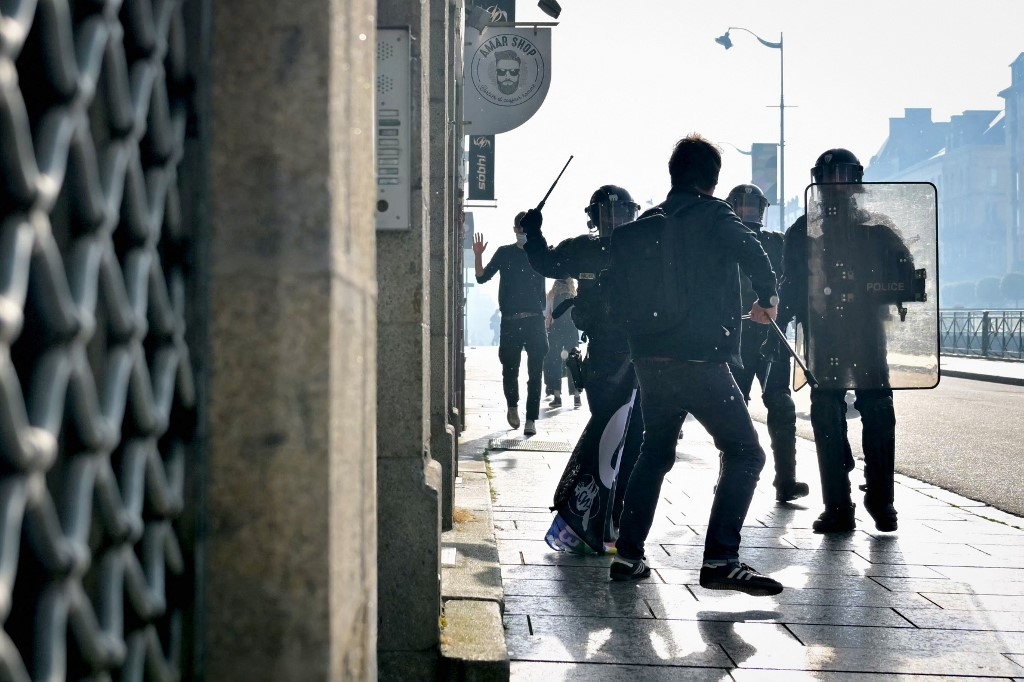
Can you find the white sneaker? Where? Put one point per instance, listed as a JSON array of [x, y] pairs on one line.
[[530, 429], [513, 417]]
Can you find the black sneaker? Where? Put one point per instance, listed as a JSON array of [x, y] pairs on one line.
[[787, 492], [624, 569], [556, 401], [739, 577], [835, 520], [884, 516]]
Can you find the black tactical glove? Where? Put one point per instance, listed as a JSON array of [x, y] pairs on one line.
[[531, 222]]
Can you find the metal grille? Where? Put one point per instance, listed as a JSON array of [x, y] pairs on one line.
[[531, 444], [96, 387], [982, 333]]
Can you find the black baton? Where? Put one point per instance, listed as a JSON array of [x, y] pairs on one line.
[[541, 204]]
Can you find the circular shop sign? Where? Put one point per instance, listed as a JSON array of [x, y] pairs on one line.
[[507, 70]]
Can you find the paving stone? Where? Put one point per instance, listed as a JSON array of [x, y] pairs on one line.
[[903, 571], [607, 605], [767, 610], [1003, 621], [570, 573], [639, 641], [956, 557], [946, 586], [876, 661], [827, 676], [527, 671], [977, 602], [980, 575], [909, 638], [588, 590], [846, 598]]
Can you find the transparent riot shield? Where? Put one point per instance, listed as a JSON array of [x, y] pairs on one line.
[[872, 299]]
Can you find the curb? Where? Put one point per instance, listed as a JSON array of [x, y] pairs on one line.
[[991, 378], [473, 599]]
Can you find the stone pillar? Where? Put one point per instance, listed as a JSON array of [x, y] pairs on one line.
[[290, 563], [442, 433], [409, 481]]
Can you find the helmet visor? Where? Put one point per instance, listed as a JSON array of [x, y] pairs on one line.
[[837, 172], [749, 207], [608, 215]]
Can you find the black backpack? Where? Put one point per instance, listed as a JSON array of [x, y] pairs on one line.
[[647, 277]]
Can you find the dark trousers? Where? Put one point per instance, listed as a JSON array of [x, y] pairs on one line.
[[878, 439], [773, 376], [554, 368], [670, 389], [516, 335]]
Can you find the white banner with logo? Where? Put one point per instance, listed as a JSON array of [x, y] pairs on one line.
[[507, 71]]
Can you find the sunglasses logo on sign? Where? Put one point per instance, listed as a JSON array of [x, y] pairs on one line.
[[507, 69]]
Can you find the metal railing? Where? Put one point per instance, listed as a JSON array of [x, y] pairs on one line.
[[996, 334]]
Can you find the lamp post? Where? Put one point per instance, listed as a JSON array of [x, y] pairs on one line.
[[726, 42]]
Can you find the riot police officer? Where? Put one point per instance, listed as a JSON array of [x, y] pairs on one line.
[[762, 354], [588, 498], [825, 272]]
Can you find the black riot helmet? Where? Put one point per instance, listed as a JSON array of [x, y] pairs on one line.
[[837, 165], [749, 203], [610, 206]]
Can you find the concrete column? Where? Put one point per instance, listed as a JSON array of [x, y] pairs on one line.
[[409, 481], [442, 434], [291, 559]]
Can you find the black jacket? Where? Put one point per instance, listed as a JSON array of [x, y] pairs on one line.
[[583, 258], [755, 334], [715, 245]]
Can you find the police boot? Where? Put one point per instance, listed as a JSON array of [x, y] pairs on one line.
[[836, 520], [879, 420], [781, 424]]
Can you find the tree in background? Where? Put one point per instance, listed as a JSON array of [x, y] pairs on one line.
[[988, 292], [958, 295], [1012, 287]]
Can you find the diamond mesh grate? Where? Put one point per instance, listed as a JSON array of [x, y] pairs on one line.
[[97, 401]]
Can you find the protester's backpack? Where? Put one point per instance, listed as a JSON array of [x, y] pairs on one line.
[[647, 275]]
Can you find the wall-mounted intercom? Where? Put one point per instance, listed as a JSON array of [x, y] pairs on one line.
[[393, 118]]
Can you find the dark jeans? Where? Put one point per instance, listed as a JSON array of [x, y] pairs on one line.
[[516, 335], [773, 376], [878, 439], [669, 389]]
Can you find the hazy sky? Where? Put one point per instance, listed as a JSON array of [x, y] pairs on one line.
[[630, 77]]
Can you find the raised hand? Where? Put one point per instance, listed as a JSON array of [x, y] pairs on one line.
[[479, 244]]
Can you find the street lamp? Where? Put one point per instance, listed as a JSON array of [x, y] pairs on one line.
[[726, 42]]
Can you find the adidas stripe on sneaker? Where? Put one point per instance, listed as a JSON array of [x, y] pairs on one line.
[[625, 569], [739, 577]]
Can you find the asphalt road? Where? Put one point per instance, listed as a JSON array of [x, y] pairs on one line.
[[966, 436]]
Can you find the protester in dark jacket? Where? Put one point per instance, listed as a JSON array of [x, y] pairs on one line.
[[685, 370]]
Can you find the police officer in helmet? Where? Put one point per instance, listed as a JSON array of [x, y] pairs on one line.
[[762, 354], [844, 327], [587, 509]]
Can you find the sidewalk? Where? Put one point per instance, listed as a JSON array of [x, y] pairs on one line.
[[943, 596]]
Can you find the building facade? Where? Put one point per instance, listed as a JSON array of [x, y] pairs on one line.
[[974, 160]]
